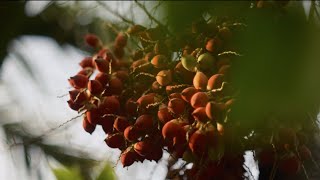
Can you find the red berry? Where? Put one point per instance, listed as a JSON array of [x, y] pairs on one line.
[[143, 147], [200, 80], [78, 81], [122, 75], [95, 87], [164, 115], [116, 85], [213, 45], [74, 106], [290, 165], [121, 40], [86, 62], [92, 40], [121, 123], [128, 157], [131, 133], [87, 126], [164, 77], [214, 110], [199, 99], [103, 78], [199, 114], [102, 65], [176, 106], [115, 141], [93, 116], [187, 93], [107, 123], [144, 122], [86, 71], [171, 129], [159, 61], [77, 96], [215, 81], [112, 103], [198, 143], [131, 107]]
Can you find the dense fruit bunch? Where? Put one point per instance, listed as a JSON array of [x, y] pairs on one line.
[[175, 94]]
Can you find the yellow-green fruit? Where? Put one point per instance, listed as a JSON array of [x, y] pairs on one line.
[[206, 61], [189, 63]]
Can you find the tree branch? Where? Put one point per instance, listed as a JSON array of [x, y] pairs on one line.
[[106, 7], [151, 17]]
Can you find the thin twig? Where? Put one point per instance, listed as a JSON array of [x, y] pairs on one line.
[[151, 17], [106, 7], [33, 140]]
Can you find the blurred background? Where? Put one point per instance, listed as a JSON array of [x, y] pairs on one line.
[[41, 44]]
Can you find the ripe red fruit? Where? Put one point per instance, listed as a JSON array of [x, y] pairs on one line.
[[95, 87], [73, 105], [86, 71], [187, 93], [102, 65], [215, 81], [155, 153], [199, 99], [175, 95], [289, 165], [131, 133], [122, 75], [176, 106], [164, 77], [145, 100], [199, 114], [198, 143], [131, 107], [115, 141], [107, 123], [121, 40], [171, 129], [92, 40], [116, 85], [144, 122], [87, 126], [121, 123], [77, 96], [266, 157], [86, 62], [214, 110], [164, 115], [213, 45], [128, 157], [200, 80], [159, 61], [156, 87], [103, 78], [143, 147], [112, 103], [93, 116], [78, 81]]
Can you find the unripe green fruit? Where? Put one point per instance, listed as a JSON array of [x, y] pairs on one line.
[[189, 63]]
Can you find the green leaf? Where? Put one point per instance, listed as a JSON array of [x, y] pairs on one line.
[[67, 173], [107, 173]]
